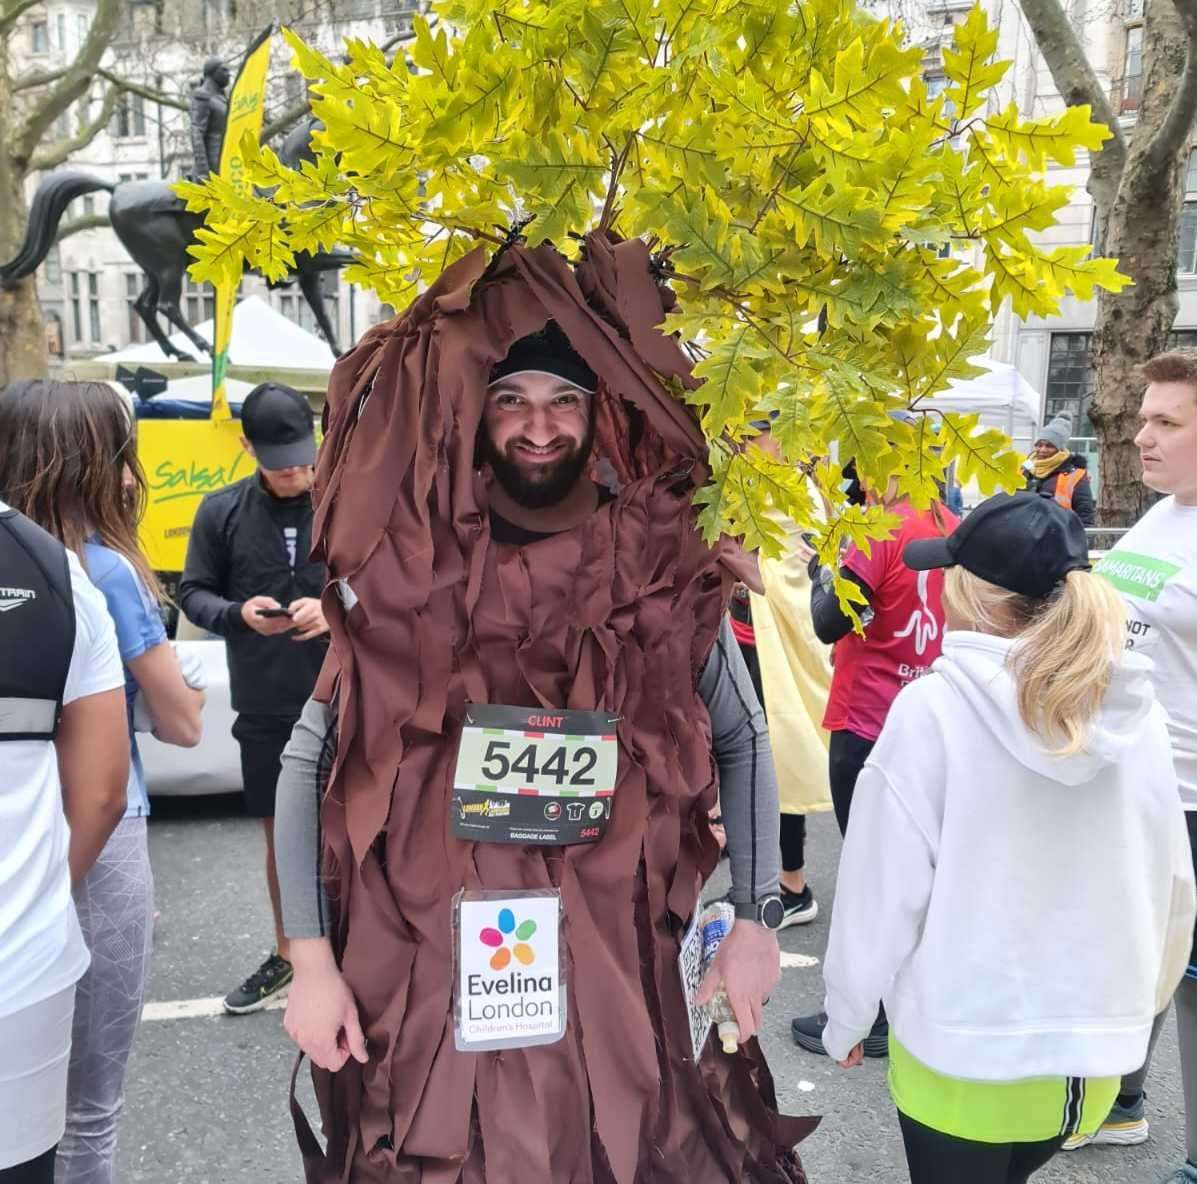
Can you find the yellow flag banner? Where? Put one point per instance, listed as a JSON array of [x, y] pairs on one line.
[[247, 101], [183, 460]]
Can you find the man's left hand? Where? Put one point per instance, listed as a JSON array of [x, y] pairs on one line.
[[307, 619], [747, 966]]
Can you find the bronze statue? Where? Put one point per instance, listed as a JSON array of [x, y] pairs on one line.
[[209, 115], [156, 230]]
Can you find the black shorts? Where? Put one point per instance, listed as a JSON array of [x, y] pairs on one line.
[[262, 739]]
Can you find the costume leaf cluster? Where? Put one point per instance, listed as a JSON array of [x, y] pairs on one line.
[[840, 238]]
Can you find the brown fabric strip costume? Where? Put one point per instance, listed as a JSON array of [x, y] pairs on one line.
[[618, 614]]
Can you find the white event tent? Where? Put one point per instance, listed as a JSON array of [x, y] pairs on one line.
[[262, 338]]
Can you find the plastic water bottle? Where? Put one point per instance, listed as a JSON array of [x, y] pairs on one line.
[[717, 920]]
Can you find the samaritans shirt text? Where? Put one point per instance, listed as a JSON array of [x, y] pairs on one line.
[[1154, 566]]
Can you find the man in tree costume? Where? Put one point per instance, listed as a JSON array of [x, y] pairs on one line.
[[782, 162], [618, 611]]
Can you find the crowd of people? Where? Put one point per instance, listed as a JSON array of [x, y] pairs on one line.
[[1007, 737]]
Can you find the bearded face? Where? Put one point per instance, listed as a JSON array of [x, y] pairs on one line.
[[537, 434]]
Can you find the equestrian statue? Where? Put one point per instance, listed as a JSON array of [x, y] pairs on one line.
[[155, 228]]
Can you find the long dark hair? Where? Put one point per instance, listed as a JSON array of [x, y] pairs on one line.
[[64, 448]]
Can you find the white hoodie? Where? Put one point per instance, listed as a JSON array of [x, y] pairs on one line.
[[1021, 914]]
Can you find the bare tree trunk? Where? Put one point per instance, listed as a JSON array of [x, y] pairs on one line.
[[1142, 233], [22, 334]]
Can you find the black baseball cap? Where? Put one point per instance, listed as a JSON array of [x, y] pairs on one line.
[[1022, 542], [547, 351], [277, 421]]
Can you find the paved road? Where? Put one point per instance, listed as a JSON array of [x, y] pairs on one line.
[[207, 1094]]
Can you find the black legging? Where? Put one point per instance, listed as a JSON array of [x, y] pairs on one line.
[[32, 1171], [936, 1158], [793, 826], [848, 753]]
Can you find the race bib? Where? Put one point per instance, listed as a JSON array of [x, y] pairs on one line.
[[527, 775], [509, 990]]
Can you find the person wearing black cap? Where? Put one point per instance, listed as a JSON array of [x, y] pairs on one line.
[[248, 578], [1016, 880]]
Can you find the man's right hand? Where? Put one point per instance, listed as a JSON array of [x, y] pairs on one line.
[[266, 626], [321, 1016]]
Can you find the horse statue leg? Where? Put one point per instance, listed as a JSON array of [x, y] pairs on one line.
[[146, 306], [308, 273], [171, 280]]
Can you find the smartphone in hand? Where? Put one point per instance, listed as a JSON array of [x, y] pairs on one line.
[[272, 612]]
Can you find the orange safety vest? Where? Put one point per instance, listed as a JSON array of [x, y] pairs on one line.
[[1066, 484]]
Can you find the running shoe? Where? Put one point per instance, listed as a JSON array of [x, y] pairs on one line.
[[807, 1032], [1124, 1127], [801, 907], [271, 978]]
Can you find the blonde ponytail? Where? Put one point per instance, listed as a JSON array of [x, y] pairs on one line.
[[1069, 643]]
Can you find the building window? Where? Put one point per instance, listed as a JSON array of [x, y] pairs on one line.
[[199, 302], [60, 31], [76, 307], [132, 291], [1070, 380], [83, 25], [93, 304], [1132, 69], [54, 267], [128, 121], [1182, 339], [89, 206], [39, 34], [293, 88], [1186, 258]]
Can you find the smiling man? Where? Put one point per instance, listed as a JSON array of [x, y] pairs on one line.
[[1154, 566]]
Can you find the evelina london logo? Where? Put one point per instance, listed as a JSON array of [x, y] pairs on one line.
[[509, 940]]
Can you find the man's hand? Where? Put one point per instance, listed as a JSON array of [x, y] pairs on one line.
[[321, 1014], [266, 626], [307, 617], [748, 967]]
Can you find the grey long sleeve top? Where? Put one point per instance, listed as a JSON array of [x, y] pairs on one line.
[[739, 740]]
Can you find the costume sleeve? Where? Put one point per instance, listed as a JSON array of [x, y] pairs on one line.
[[297, 825], [830, 621], [204, 585], [1082, 502], [881, 897], [748, 795]]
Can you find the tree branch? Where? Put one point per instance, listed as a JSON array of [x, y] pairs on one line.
[[10, 16], [59, 152], [1075, 78], [78, 225], [36, 78], [286, 121], [1177, 127], [74, 83], [146, 92]]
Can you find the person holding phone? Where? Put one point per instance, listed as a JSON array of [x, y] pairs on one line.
[[248, 579]]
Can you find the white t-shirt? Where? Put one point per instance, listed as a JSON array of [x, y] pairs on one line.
[[1154, 566], [41, 948]]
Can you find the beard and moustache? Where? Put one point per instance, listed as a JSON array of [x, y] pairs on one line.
[[544, 485]]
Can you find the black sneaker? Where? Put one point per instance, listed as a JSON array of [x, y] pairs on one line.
[[807, 1032], [268, 980], [801, 908]]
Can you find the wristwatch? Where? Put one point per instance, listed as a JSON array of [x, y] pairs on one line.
[[768, 911]]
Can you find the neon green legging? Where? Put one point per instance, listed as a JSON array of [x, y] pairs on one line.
[[1030, 1110]]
